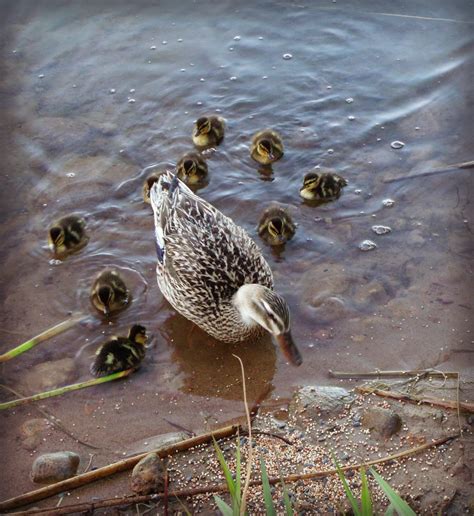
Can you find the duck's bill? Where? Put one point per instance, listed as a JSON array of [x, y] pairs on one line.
[[289, 349]]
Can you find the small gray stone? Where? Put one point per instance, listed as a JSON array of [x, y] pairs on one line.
[[148, 476], [155, 443], [321, 399], [32, 432], [385, 421], [54, 467]]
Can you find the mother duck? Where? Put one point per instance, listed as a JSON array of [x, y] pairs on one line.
[[212, 272]]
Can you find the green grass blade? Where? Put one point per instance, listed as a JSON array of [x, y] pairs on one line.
[[402, 508], [267, 494], [286, 498], [185, 509], [365, 499], [347, 489], [225, 470], [390, 511], [238, 473], [223, 507], [63, 390]]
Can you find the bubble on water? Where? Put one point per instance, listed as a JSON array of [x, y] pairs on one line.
[[397, 144], [379, 139], [14, 51], [164, 42], [199, 103], [153, 47], [330, 151], [381, 230], [233, 78], [132, 90], [329, 87], [45, 204], [41, 76], [131, 101], [264, 76], [179, 40], [54, 261], [191, 64], [260, 38], [351, 117], [237, 38], [71, 174], [121, 151], [388, 203], [217, 110], [74, 85], [349, 100], [202, 79], [417, 128], [183, 70], [274, 67], [231, 49], [287, 56], [112, 91], [367, 245], [358, 191]]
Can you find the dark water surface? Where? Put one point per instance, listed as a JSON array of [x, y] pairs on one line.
[[362, 75]]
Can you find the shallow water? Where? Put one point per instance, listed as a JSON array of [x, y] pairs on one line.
[[362, 76]]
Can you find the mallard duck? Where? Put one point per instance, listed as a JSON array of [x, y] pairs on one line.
[[212, 272], [276, 226], [149, 182], [121, 353], [208, 131], [67, 235], [192, 169], [109, 293], [322, 186], [266, 147]]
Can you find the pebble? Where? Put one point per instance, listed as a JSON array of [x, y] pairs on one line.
[[385, 421], [381, 230], [54, 467], [367, 245], [32, 432], [148, 476], [317, 400]]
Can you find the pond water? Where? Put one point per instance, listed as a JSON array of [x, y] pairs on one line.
[[93, 97]]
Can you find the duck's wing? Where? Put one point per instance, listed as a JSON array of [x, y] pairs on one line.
[[201, 247]]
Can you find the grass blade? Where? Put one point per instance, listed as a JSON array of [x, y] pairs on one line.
[[238, 475], [225, 470], [347, 489], [223, 507], [66, 388], [286, 498], [390, 511], [402, 508], [365, 499], [267, 494]]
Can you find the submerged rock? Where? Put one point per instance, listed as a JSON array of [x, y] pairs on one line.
[[318, 400], [148, 476], [53, 467], [385, 421], [156, 442], [50, 375], [32, 431]]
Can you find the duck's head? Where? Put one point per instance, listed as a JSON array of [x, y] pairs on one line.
[[202, 126], [191, 170], [311, 183], [138, 334], [276, 226], [260, 305], [149, 182]]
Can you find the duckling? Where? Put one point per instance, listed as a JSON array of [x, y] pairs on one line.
[[121, 353], [276, 226], [149, 182], [191, 169], [208, 131], [109, 293], [67, 235], [267, 147], [322, 186]]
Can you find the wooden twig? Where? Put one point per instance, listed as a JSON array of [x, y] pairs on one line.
[[394, 374], [463, 406], [116, 467], [270, 434], [436, 171], [220, 488]]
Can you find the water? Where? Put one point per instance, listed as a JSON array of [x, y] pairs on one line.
[[93, 100]]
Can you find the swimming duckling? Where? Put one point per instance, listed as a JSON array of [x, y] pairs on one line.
[[149, 182], [191, 169], [121, 353], [67, 235], [276, 226], [208, 131], [109, 293], [322, 186], [267, 147]]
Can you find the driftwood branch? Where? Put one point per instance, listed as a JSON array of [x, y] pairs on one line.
[[395, 374], [111, 469], [220, 488], [462, 406], [436, 171]]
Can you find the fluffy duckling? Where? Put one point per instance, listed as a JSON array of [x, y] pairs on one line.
[[322, 186], [67, 235], [276, 226], [208, 131], [267, 147], [109, 293], [121, 353], [149, 182], [192, 169]]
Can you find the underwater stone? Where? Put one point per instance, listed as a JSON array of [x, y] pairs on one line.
[[148, 476], [54, 467]]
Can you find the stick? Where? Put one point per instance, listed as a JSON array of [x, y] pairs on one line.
[[448, 404], [220, 488], [395, 374], [440, 170], [116, 467], [66, 388], [45, 335]]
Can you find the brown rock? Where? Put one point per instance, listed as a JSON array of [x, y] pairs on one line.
[[53, 467], [32, 431], [385, 421], [148, 476], [318, 400]]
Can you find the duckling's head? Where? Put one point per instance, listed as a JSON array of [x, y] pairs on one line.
[[260, 305], [149, 182], [311, 183], [104, 298], [265, 149], [138, 334], [191, 170], [202, 126], [56, 239], [276, 226]]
